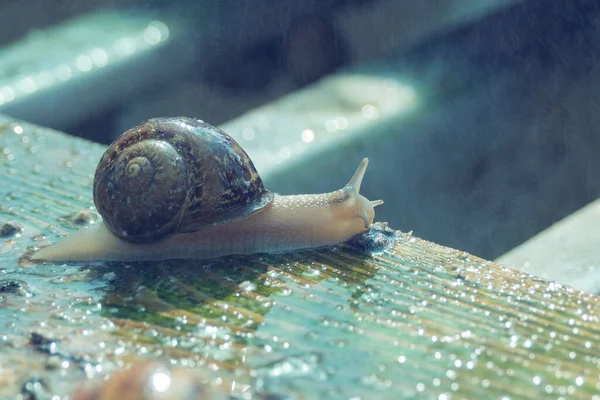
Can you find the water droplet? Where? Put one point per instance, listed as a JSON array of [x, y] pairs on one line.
[[369, 111], [84, 63], [376, 382], [307, 136], [99, 57], [247, 286]]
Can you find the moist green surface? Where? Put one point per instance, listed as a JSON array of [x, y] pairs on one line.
[[417, 321]]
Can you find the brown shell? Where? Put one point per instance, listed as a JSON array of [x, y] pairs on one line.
[[175, 175]]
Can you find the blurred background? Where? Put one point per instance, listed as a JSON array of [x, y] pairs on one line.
[[106, 67], [478, 116]]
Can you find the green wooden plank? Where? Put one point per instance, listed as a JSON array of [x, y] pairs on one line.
[[418, 321]]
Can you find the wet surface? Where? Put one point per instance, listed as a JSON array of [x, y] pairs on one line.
[[416, 319]]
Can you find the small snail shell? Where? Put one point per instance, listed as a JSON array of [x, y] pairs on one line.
[[151, 380], [181, 188]]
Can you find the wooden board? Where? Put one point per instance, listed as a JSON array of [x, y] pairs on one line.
[[418, 321]]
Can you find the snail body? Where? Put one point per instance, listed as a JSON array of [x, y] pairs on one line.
[[204, 200]]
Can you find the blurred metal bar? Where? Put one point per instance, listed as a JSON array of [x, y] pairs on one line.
[[61, 76], [399, 24]]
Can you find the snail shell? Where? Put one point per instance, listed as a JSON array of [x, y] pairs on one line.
[[147, 380], [171, 175]]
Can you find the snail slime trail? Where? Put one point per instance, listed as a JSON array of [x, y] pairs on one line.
[[179, 188]]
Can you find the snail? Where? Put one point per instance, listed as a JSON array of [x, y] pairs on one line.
[[180, 188]]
